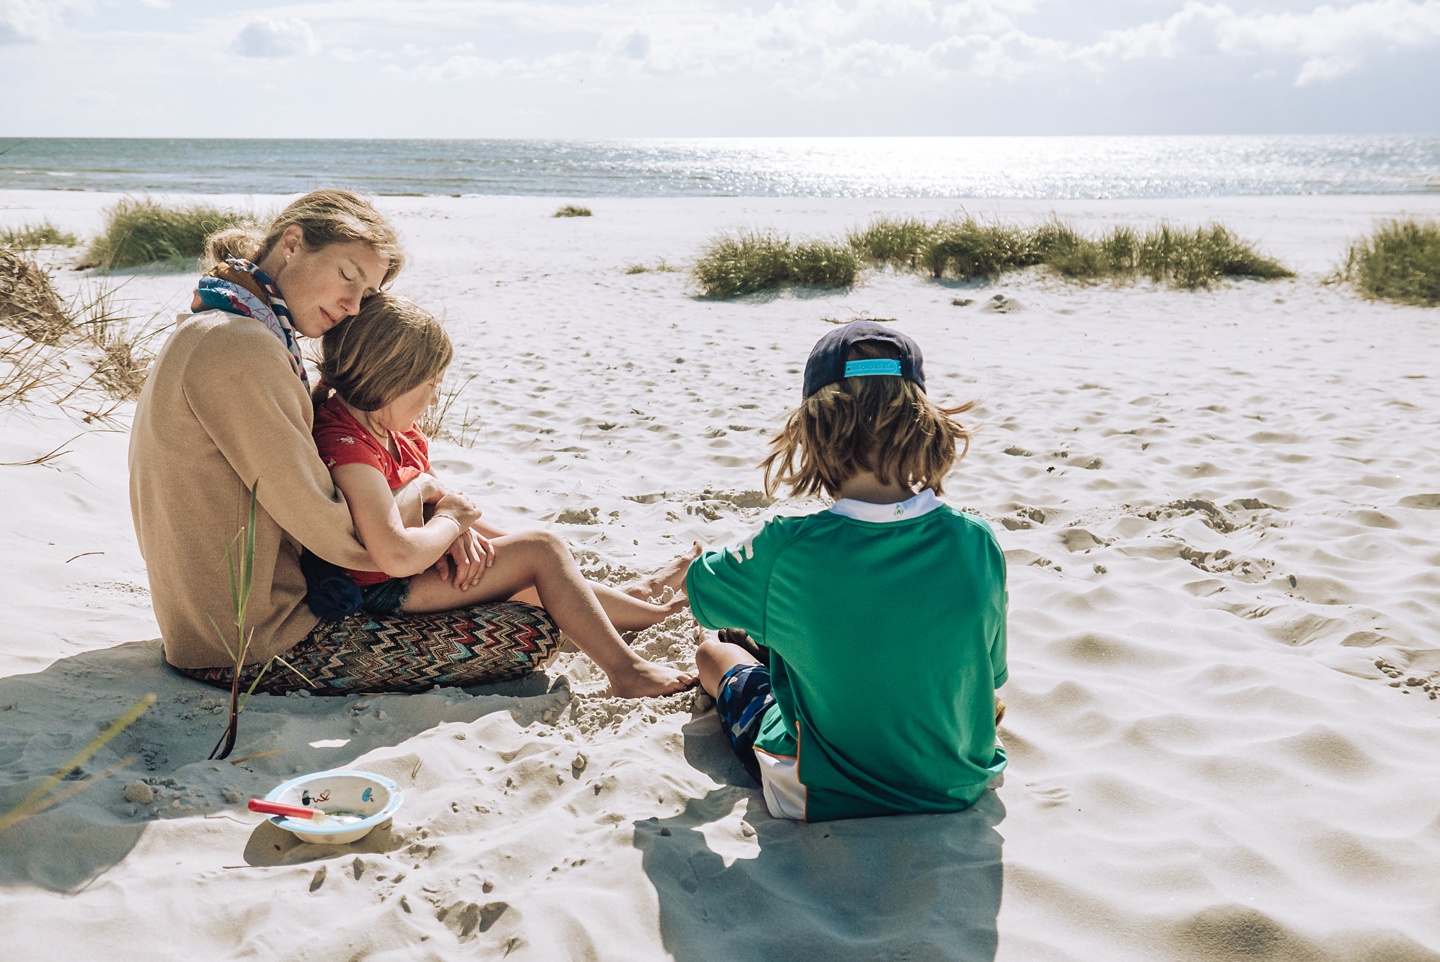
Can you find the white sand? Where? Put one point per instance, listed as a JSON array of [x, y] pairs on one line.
[[1220, 512]]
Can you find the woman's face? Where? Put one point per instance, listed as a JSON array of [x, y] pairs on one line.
[[402, 413], [323, 287]]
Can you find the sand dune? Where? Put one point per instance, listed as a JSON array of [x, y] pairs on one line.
[[1220, 511]]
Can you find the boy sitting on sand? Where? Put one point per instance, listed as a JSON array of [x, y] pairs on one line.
[[884, 616]]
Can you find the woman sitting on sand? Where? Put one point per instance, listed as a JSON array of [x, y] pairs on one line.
[[384, 367], [225, 412]]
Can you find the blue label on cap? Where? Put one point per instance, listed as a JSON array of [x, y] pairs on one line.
[[878, 365]]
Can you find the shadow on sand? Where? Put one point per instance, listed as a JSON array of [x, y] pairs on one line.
[[741, 887], [46, 717]]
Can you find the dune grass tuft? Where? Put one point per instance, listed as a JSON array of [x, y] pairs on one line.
[[1199, 258], [1114, 255], [964, 248], [32, 236], [754, 262], [819, 263], [144, 231], [28, 302], [967, 248], [1399, 261], [573, 210], [892, 243], [442, 421], [661, 266], [41, 332], [122, 348]]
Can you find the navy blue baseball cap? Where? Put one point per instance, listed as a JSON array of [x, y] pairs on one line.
[[828, 364]]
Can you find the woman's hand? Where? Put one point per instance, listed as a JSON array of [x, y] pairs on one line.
[[416, 497], [428, 488], [459, 508], [471, 554]]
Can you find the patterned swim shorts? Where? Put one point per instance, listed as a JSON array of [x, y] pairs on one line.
[[744, 695]]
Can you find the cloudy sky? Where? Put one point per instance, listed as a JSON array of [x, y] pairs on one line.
[[620, 68]]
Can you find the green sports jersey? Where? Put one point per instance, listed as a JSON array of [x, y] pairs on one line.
[[887, 643]]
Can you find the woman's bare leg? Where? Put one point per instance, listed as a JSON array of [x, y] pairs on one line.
[[540, 560]]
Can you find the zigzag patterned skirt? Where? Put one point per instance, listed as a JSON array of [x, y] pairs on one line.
[[406, 653]]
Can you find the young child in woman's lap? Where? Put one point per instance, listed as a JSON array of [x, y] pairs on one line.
[[384, 367], [884, 617]]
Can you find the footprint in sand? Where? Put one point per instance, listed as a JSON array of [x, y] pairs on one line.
[[579, 516], [1051, 797], [1078, 539], [467, 918]]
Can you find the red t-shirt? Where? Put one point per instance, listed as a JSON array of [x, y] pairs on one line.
[[343, 440]]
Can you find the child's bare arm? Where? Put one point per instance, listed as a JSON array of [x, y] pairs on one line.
[[400, 551]]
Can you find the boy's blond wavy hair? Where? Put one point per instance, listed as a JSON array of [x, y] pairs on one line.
[[392, 346], [882, 424], [325, 217]]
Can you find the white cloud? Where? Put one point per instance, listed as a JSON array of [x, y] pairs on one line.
[[459, 67], [1319, 69], [34, 21], [868, 64], [635, 45], [983, 16], [871, 59], [268, 37], [1329, 41]]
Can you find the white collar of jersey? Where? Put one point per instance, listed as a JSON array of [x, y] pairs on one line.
[[922, 503]]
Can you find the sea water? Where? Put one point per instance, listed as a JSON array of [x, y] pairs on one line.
[[975, 167]]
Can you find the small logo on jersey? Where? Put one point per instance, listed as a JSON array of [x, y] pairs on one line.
[[745, 549]]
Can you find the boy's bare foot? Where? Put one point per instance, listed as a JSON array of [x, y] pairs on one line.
[[648, 678], [671, 576]]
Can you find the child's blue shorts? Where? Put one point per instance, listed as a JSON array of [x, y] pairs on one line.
[[741, 700], [331, 594]]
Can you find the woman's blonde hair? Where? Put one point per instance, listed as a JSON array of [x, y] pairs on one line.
[[882, 424], [392, 346], [325, 217]]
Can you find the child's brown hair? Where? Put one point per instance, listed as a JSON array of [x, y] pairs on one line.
[[886, 425], [392, 346]]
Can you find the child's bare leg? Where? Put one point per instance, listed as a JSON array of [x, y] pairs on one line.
[[626, 612], [715, 658], [670, 576], [540, 560]]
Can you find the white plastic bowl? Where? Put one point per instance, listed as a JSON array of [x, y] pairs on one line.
[[344, 794]]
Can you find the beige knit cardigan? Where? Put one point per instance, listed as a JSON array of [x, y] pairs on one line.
[[222, 409]]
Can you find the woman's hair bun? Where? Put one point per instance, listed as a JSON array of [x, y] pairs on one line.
[[241, 242]]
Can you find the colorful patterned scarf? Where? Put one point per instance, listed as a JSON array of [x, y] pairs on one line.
[[239, 287]]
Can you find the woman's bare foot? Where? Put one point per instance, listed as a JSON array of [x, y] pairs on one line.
[[671, 576], [648, 678]]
